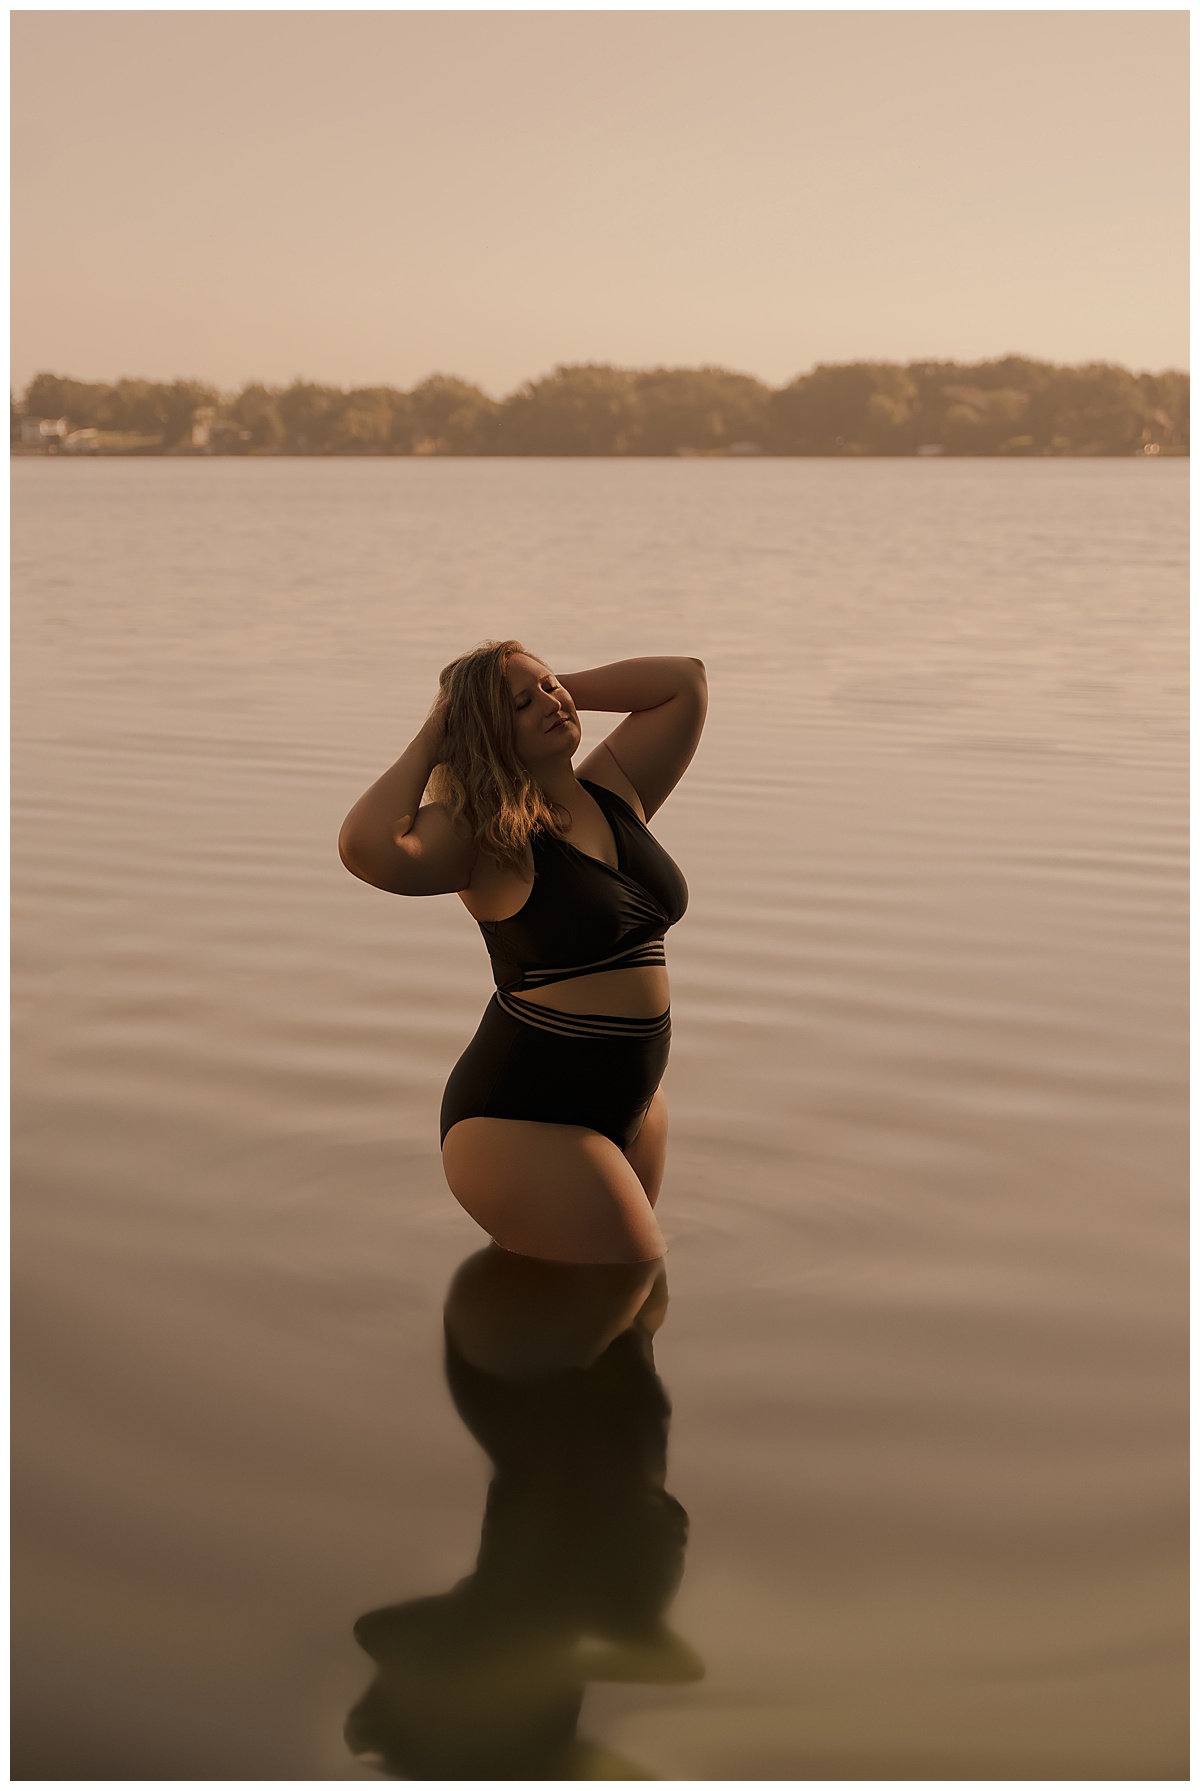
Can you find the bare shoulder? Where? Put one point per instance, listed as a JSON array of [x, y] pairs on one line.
[[600, 767]]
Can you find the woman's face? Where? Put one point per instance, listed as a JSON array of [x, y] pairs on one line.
[[546, 725]]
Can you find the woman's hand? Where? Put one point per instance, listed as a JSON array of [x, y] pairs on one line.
[[433, 732]]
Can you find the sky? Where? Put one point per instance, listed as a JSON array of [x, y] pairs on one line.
[[368, 198]]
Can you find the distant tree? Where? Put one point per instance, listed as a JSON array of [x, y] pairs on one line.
[[929, 379], [962, 429], [703, 408], [309, 414], [1098, 409], [403, 432], [363, 424], [1011, 372], [828, 411], [1166, 397], [48, 395], [887, 422], [590, 408], [979, 421], [177, 407], [136, 406], [256, 409], [454, 413], [1011, 405]]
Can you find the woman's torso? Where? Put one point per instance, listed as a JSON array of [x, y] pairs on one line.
[[498, 894]]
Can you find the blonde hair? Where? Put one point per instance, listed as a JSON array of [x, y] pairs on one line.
[[482, 782]]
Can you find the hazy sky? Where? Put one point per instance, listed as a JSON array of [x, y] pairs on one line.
[[372, 197]]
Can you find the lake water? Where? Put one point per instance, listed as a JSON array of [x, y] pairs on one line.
[[926, 1188]]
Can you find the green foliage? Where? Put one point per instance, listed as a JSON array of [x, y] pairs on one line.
[[584, 409], [705, 410], [309, 414], [362, 424], [596, 409], [451, 416], [1012, 405], [177, 406], [255, 409], [47, 395], [130, 407], [1099, 408], [864, 408]]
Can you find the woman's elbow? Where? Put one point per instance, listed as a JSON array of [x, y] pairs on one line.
[[348, 853], [356, 853], [389, 866]]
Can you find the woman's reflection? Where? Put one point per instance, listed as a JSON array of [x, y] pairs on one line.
[[551, 1368]]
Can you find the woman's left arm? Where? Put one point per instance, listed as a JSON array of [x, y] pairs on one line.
[[665, 700]]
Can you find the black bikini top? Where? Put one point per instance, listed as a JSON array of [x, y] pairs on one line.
[[582, 915]]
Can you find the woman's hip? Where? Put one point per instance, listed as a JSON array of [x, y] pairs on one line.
[[532, 1062]]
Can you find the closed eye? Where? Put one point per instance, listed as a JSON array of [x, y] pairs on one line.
[[550, 684]]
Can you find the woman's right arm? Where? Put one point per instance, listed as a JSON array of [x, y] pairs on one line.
[[390, 841]]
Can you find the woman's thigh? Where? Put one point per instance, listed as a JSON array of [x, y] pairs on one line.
[[647, 1155], [563, 1193]]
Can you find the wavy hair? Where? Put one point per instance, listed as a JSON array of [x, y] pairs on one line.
[[482, 782]]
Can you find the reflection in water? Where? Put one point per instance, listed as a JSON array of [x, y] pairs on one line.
[[551, 1367]]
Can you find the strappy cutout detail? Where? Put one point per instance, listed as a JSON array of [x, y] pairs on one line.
[[652, 952], [583, 1026]]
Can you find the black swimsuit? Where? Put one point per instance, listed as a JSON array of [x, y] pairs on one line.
[[581, 916]]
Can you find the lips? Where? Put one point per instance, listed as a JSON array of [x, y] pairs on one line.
[[558, 724]]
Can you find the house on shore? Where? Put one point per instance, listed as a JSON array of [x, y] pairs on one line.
[[212, 434], [47, 433]]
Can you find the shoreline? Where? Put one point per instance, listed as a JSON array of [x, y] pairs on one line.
[[1152, 451]]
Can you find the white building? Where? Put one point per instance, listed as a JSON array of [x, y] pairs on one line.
[[43, 432]]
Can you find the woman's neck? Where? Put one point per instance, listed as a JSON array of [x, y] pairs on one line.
[[558, 783]]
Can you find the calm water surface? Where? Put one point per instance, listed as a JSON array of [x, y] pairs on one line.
[[894, 1481]]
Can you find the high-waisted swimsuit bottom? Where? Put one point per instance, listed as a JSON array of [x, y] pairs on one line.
[[532, 1062]]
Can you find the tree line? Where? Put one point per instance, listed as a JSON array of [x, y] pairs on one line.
[[1010, 406]]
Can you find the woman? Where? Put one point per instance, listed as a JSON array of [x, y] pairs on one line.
[[553, 1126]]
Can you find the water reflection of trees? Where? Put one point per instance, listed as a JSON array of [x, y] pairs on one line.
[[552, 1370]]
